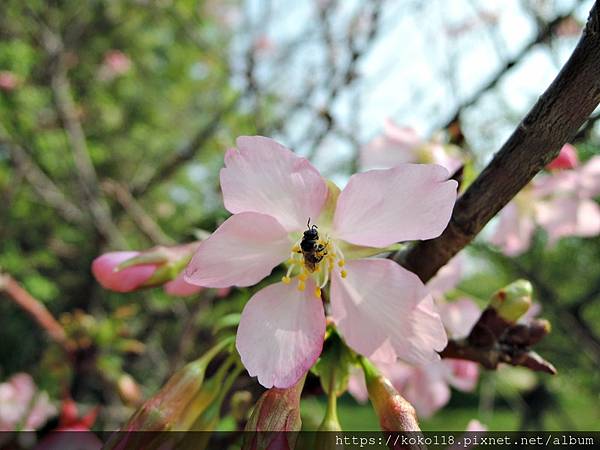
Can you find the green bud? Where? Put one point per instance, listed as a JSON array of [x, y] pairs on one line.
[[512, 301]]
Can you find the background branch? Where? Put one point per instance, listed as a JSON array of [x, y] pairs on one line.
[[36, 310], [553, 120]]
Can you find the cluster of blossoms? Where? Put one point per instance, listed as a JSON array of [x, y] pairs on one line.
[[561, 201], [398, 145], [427, 387], [376, 305], [22, 405]]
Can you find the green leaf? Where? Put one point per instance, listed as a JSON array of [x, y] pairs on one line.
[[333, 367]]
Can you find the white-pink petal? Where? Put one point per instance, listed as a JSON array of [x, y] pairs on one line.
[[515, 230], [566, 216], [265, 177], [380, 300], [447, 278], [459, 317], [408, 202], [281, 333], [241, 252], [462, 374]]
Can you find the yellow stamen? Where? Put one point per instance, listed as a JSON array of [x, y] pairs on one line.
[[301, 285], [302, 276], [296, 248], [286, 280], [341, 263], [318, 292], [343, 273]]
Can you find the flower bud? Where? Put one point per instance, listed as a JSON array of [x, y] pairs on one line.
[[165, 410], [394, 412], [129, 271], [129, 390], [566, 159], [538, 329], [512, 301], [276, 412]]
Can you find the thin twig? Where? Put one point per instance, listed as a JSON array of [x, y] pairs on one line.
[[140, 217], [36, 310]]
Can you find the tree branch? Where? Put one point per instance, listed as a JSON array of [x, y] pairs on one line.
[[36, 310], [186, 153], [140, 217], [553, 120], [43, 186]]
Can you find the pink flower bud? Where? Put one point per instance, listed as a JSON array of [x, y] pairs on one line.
[[105, 269], [566, 159], [129, 390], [277, 412], [129, 271]]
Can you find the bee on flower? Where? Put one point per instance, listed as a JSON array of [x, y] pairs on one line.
[[375, 304]]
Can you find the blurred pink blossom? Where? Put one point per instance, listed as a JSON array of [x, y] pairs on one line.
[[22, 406], [561, 202], [8, 81], [399, 145], [180, 288], [114, 64], [272, 193]]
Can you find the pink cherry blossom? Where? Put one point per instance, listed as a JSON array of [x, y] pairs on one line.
[[427, 386], [22, 406], [399, 145], [561, 202], [272, 194]]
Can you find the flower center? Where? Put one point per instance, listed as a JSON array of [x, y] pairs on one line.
[[314, 256]]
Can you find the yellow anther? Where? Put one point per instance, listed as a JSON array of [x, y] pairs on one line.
[[318, 292], [341, 263], [302, 276], [286, 279], [343, 273], [296, 248], [301, 285]]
